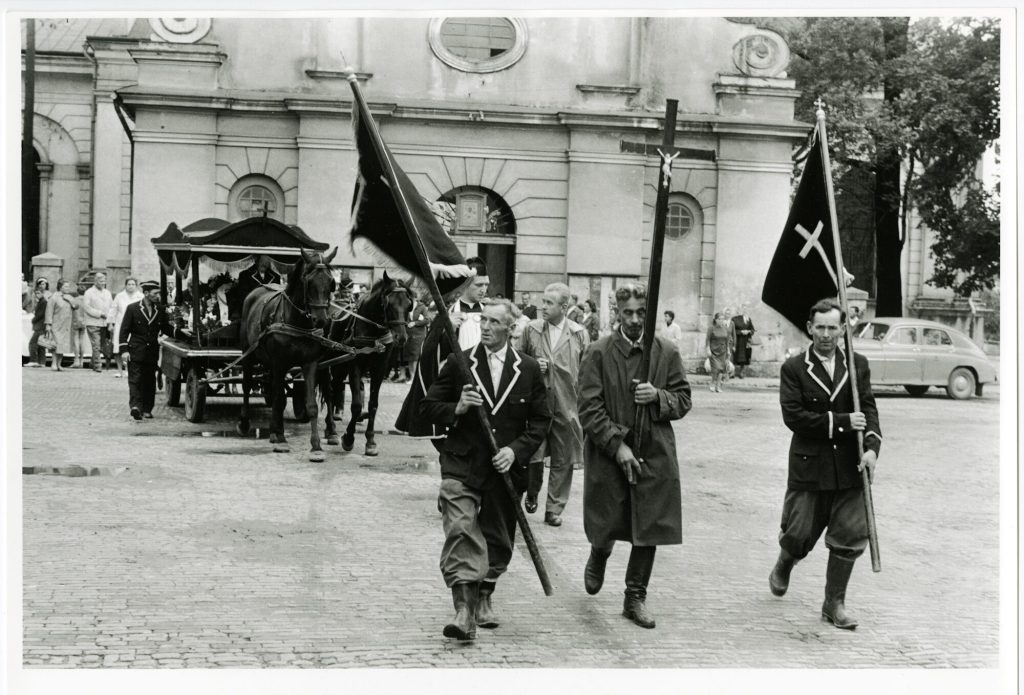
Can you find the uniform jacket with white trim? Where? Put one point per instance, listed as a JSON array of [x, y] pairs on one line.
[[518, 415], [823, 452]]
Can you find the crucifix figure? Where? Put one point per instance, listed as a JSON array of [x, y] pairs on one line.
[[666, 166]]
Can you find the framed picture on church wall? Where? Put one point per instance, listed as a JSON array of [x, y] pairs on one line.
[[470, 208]]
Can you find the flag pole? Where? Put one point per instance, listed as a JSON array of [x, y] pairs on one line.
[[442, 315], [869, 506]]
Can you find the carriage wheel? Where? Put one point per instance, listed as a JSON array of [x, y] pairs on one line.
[[173, 392], [195, 395], [299, 401]]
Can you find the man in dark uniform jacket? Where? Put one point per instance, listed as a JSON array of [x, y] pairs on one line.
[[824, 489], [478, 514], [143, 323], [257, 275]]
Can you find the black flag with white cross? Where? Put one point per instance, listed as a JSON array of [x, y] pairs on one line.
[[803, 269]]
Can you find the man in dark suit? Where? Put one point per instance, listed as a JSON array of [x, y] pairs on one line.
[[478, 514], [824, 489], [142, 325], [259, 274]]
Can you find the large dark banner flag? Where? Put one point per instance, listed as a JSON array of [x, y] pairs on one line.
[[803, 269], [376, 218], [375, 214]]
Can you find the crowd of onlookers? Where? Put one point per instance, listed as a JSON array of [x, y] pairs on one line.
[[68, 319], [728, 343]]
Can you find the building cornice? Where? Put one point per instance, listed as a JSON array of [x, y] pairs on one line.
[[280, 102], [161, 136], [61, 63], [750, 165]]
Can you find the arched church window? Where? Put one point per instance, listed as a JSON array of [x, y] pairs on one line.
[[474, 210], [683, 216], [254, 195], [255, 200]]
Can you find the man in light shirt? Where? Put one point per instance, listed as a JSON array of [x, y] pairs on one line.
[[97, 304], [558, 344]]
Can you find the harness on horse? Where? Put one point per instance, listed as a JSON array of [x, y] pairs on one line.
[[352, 347]]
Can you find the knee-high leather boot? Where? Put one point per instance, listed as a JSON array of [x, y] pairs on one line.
[[463, 626], [638, 574], [778, 580], [484, 615], [837, 576]]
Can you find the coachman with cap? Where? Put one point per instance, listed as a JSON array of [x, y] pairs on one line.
[[143, 323]]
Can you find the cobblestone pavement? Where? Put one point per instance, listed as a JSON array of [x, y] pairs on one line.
[[191, 547]]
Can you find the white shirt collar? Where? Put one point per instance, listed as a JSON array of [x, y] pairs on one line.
[[501, 353], [822, 358]]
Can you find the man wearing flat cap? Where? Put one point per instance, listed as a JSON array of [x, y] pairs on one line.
[[143, 323]]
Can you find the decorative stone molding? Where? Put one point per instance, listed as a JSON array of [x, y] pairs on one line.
[[179, 29], [317, 72], [607, 96], [761, 54], [185, 66]]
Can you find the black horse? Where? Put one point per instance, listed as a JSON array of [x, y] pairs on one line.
[[379, 319], [297, 310]]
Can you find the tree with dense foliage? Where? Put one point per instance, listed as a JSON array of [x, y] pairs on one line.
[[915, 104]]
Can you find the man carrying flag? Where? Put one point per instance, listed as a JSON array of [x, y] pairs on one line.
[[390, 214], [834, 437]]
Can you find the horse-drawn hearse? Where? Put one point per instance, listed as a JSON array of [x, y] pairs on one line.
[[208, 321], [271, 339]]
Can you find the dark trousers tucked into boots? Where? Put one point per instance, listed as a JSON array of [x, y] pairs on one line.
[[837, 577], [463, 625], [638, 574]]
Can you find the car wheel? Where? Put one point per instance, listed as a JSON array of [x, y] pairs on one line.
[[915, 390], [961, 384]]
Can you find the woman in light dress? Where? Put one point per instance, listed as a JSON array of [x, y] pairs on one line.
[[129, 295]]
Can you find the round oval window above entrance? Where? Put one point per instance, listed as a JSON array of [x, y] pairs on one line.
[[478, 44], [252, 196]]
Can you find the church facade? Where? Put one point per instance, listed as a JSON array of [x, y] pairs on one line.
[[535, 139]]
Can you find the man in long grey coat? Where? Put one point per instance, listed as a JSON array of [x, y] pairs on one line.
[[630, 488], [557, 344]]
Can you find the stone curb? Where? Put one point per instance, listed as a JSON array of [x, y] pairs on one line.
[[72, 471]]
